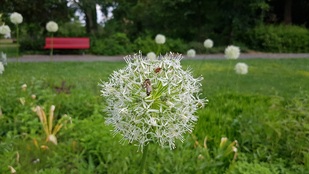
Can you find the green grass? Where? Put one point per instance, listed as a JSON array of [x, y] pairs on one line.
[[266, 111]]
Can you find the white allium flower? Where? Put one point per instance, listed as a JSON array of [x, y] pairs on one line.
[[241, 68], [151, 55], [1, 68], [3, 58], [232, 52], [208, 43], [160, 39], [191, 53], [52, 26], [16, 18], [5, 30], [148, 100]]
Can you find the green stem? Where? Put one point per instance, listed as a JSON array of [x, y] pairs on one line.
[[158, 50], [228, 72], [17, 40], [52, 45], [143, 161]]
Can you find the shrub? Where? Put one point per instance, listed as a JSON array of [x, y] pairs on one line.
[[72, 29], [146, 44], [116, 44], [278, 38]]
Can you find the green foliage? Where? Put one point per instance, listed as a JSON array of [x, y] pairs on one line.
[[116, 44], [249, 168], [72, 29], [279, 38]]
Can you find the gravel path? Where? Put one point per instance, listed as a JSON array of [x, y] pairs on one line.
[[91, 58]]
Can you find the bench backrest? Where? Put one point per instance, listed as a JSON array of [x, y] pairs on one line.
[[67, 43]]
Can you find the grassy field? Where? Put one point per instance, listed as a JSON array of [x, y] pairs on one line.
[[266, 111]]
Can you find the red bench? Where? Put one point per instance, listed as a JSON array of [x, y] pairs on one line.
[[67, 43]]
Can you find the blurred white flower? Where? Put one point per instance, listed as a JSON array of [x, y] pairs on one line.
[[208, 43], [7, 35], [232, 52], [16, 18], [191, 53], [241, 68], [24, 87], [146, 100], [5, 30], [151, 55], [160, 39], [3, 58], [1, 68], [52, 26]]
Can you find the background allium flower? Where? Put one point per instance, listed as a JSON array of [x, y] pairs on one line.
[[52, 26], [241, 68], [5, 30], [3, 58], [160, 39], [16, 18], [1, 68], [191, 53], [152, 100], [151, 55], [208, 43], [232, 52]]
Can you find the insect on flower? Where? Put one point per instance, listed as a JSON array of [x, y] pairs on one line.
[[148, 87], [157, 70]]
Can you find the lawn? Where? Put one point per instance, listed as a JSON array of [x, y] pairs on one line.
[[266, 111]]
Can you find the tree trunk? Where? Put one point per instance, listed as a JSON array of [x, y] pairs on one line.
[[288, 12], [91, 19]]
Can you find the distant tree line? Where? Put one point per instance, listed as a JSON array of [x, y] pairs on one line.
[[222, 20]]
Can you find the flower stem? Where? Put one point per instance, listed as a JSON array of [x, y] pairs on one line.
[[52, 46], [143, 161], [228, 73], [17, 40]]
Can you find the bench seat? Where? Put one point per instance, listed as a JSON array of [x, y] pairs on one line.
[[67, 43]]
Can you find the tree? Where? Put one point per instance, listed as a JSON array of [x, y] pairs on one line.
[[191, 20], [289, 12], [89, 9], [37, 13]]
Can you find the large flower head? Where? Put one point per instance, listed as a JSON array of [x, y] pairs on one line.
[[241, 68], [160, 39], [152, 100], [232, 52], [1, 68], [5, 30], [208, 43], [52, 26], [16, 18]]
